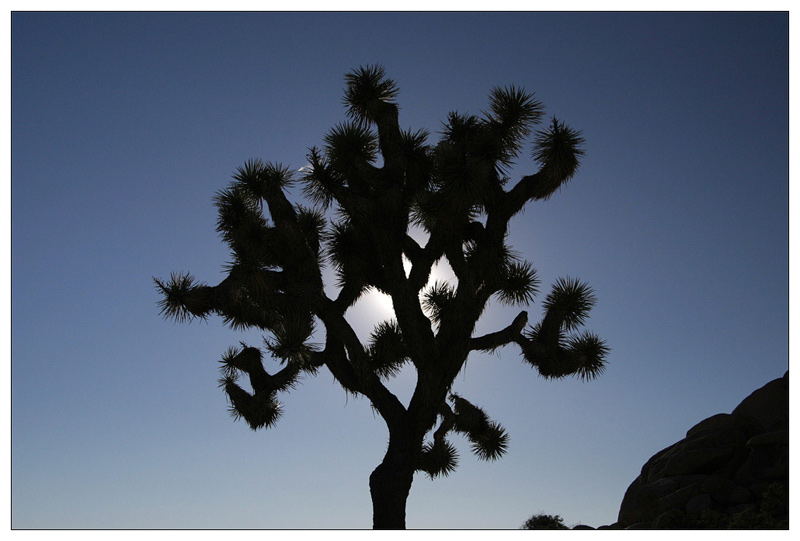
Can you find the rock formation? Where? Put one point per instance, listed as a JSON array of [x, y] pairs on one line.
[[730, 471]]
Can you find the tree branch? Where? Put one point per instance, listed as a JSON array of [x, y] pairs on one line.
[[335, 358], [492, 341], [389, 139], [348, 361], [525, 190], [412, 250], [425, 258]]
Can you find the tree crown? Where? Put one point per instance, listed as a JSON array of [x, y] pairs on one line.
[[368, 186]]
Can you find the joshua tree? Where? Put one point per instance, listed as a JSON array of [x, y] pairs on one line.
[[370, 187]]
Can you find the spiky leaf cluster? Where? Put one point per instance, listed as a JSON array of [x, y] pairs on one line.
[[313, 225], [553, 346], [438, 458], [387, 350], [489, 440], [259, 408], [558, 149], [519, 283], [182, 297], [569, 302], [588, 354], [321, 183], [260, 179], [438, 300], [513, 113], [349, 147], [291, 336], [257, 243], [369, 93]]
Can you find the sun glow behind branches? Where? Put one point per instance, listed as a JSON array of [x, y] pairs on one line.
[[376, 307], [381, 305]]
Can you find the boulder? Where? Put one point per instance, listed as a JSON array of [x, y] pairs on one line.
[[769, 405], [730, 471]]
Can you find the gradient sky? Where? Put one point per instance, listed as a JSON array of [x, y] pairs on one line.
[[125, 125]]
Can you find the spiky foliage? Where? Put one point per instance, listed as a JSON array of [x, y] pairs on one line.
[[558, 150], [321, 182], [513, 112], [183, 299], [439, 458], [369, 93], [439, 300], [259, 410], [387, 351], [551, 348], [520, 283], [369, 183], [291, 336], [488, 438], [569, 302], [349, 147]]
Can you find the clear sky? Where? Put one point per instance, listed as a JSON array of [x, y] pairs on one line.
[[125, 125]]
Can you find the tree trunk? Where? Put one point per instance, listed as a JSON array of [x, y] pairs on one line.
[[390, 483]]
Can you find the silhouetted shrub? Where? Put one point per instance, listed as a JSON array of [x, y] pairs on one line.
[[544, 522]]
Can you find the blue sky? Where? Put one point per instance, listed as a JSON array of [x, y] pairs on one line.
[[125, 125]]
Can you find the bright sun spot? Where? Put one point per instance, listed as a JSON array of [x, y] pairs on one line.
[[380, 304]]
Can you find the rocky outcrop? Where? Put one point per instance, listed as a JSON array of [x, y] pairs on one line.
[[730, 471]]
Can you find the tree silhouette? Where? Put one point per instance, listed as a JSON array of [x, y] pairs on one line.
[[370, 186]]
